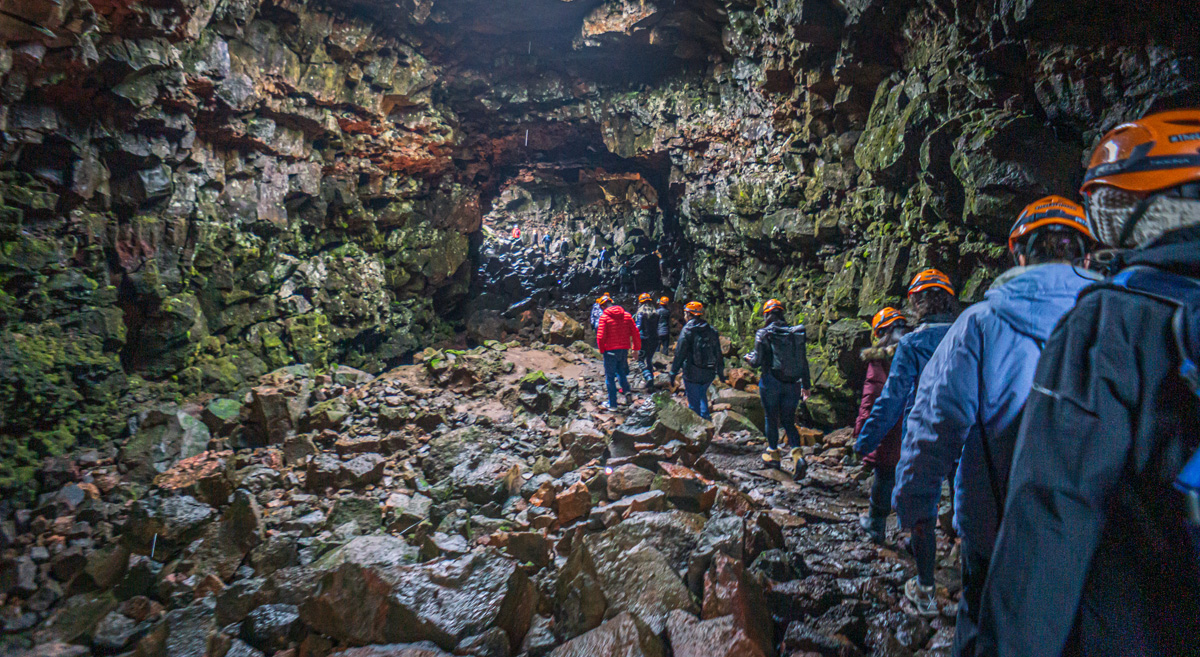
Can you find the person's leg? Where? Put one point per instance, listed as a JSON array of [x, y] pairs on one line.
[[610, 376], [704, 413], [695, 392], [924, 547], [769, 393], [623, 369], [788, 401], [664, 343], [974, 576], [649, 346], [881, 491]]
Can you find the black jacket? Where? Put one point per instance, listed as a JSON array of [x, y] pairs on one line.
[[648, 325], [762, 357], [664, 321], [683, 354], [1093, 557]]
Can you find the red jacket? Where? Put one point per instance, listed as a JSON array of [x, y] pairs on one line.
[[887, 455], [617, 330]]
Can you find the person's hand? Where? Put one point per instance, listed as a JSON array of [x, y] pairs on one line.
[[805, 394]]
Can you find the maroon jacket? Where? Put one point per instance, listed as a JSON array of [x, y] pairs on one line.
[[887, 455]]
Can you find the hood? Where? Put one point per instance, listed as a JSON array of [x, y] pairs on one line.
[[696, 323], [1032, 299], [883, 353], [1177, 251], [615, 311]]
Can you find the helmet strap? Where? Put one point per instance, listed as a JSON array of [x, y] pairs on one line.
[[1139, 211]]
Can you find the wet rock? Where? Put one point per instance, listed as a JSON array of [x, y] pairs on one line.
[[730, 591], [802, 638], [540, 639], [206, 477], [629, 479], [582, 440], [76, 618], [623, 636], [717, 637], [276, 552], [422, 649], [182, 632], [225, 544], [324, 471], [166, 524], [165, 435], [529, 547], [779, 565], [573, 503], [492, 643], [559, 328], [444, 601], [484, 325], [296, 449], [18, 576], [238, 599], [362, 471], [272, 627], [117, 632], [408, 510], [370, 552], [466, 460]]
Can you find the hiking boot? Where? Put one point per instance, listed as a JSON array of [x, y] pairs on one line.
[[799, 465], [876, 528], [609, 407], [922, 597], [771, 458]]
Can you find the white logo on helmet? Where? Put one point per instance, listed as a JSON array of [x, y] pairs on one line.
[[1113, 151]]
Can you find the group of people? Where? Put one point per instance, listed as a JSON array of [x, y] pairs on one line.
[[1064, 406]]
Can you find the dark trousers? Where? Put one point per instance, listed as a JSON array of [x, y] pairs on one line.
[[664, 342], [697, 396], [646, 357], [974, 576], [779, 401], [616, 367], [924, 550], [881, 492]]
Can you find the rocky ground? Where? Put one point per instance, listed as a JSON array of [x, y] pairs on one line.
[[476, 502]]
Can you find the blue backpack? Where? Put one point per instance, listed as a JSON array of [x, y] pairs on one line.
[[1183, 292]]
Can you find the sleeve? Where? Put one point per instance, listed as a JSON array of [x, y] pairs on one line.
[[889, 408], [944, 412], [805, 374], [720, 359], [872, 386], [601, 329], [682, 350], [1075, 438], [755, 358]]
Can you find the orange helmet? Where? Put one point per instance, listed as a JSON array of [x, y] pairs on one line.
[[885, 318], [694, 308], [929, 279], [773, 304], [1050, 211], [605, 299], [1151, 154], [645, 298], [664, 301]]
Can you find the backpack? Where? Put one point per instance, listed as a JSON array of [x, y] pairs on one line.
[[787, 352], [1183, 292], [706, 348]]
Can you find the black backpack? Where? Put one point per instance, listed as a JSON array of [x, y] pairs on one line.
[[788, 355], [706, 348], [1183, 292]]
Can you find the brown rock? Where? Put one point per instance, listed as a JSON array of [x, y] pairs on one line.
[[559, 328], [629, 479], [205, 476], [718, 637], [623, 636], [423, 649], [730, 591], [573, 503], [740, 378]]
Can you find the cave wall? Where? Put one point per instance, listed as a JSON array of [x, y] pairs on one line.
[[196, 192]]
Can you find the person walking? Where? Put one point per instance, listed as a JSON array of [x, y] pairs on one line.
[[647, 322], [625, 276], [888, 326], [698, 356], [1097, 552], [971, 395], [664, 324], [546, 243], [780, 351], [598, 309], [934, 306], [616, 334]]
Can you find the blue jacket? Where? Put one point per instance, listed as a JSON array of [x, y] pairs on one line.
[[597, 311], [979, 377], [896, 400]]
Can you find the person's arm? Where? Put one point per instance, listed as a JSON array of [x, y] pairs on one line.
[[805, 375], [755, 357], [637, 337], [944, 413], [889, 408], [1075, 439], [720, 361], [601, 328], [682, 351]]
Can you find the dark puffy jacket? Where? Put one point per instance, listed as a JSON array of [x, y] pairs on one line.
[[647, 323], [896, 400], [664, 321], [762, 356], [1092, 557], [683, 354], [878, 360], [617, 331]]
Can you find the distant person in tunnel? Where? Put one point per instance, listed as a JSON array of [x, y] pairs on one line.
[[664, 324], [546, 242], [780, 351], [888, 326], [933, 305], [1098, 551], [647, 322], [615, 336], [698, 356], [625, 276], [972, 393]]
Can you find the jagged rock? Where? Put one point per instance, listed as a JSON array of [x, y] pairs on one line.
[[559, 328], [205, 476], [573, 503], [422, 649], [717, 637], [362, 471], [623, 636], [225, 543], [730, 591], [18, 576], [583, 440], [271, 628], [370, 551], [164, 436], [166, 524], [444, 601], [492, 643], [629, 479]]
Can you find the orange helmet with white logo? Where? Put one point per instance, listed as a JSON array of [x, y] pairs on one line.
[[928, 280], [605, 299], [1050, 211], [773, 304], [694, 308], [645, 298], [664, 301], [885, 318], [1154, 153]]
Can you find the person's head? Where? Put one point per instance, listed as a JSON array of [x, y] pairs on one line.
[[888, 323], [662, 301], [605, 300], [931, 294], [694, 310], [1053, 229], [1144, 179], [773, 311]]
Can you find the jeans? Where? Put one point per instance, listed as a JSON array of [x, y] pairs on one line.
[[646, 357], [924, 550], [974, 576], [697, 396], [780, 401], [881, 492], [616, 367]]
